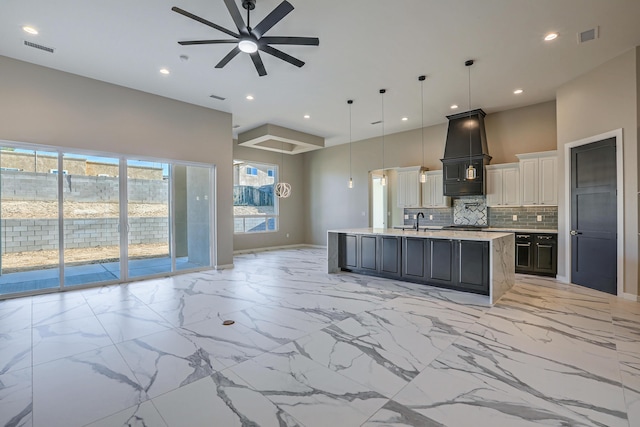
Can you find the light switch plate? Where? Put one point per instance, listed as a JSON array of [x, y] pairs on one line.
[[539, 218], [406, 217], [430, 217], [515, 217]]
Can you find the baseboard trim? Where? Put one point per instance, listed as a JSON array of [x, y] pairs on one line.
[[631, 297], [562, 279], [224, 267], [274, 248]]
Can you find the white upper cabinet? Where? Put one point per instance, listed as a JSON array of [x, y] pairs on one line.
[[503, 184], [409, 187], [432, 191], [539, 178]]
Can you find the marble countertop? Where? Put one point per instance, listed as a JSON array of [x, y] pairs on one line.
[[428, 234]]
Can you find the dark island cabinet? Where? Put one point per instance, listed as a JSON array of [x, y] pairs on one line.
[[473, 265], [414, 258], [456, 264], [380, 255], [441, 268]]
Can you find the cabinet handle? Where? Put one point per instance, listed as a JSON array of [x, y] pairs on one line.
[[523, 236], [545, 237]]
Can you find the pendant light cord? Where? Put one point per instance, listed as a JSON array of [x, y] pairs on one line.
[[422, 103], [382, 92], [350, 102], [470, 156]]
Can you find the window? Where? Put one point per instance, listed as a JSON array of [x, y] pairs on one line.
[[255, 207]]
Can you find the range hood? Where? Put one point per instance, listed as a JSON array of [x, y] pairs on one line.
[[466, 144]]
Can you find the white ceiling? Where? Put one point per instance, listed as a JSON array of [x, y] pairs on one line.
[[364, 46]]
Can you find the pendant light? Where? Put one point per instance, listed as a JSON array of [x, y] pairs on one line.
[[471, 171], [350, 102], [383, 181], [282, 189], [423, 174]]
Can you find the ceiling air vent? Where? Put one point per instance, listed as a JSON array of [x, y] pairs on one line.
[[38, 46], [219, 98], [376, 123], [588, 35]]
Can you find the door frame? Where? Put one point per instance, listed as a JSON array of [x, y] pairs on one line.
[[617, 134]]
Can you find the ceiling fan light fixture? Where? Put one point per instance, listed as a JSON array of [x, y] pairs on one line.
[[248, 46]]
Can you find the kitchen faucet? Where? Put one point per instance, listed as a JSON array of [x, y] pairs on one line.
[[418, 220]]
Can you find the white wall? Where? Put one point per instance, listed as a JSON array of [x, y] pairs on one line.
[[44, 106], [599, 101]]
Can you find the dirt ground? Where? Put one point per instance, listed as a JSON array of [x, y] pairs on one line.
[[24, 261], [19, 209]]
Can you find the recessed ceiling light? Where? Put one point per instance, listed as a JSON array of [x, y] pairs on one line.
[[454, 106], [30, 30], [250, 97], [551, 36], [518, 91], [164, 71], [306, 116], [404, 119]]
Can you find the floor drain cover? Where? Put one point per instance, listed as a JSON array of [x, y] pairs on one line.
[[228, 322]]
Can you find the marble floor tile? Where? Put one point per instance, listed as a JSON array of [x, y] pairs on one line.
[[228, 345], [313, 394], [128, 324], [222, 399], [16, 405], [167, 360], [14, 317], [15, 350], [142, 415], [315, 349], [60, 309], [67, 338], [80, 389]]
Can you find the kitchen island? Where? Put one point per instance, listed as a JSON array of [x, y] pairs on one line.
[[471, 261]]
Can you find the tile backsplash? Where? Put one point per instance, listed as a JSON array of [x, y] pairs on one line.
[[474, 211], [470, 210]]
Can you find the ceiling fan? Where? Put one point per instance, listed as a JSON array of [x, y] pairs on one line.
[[252, 40]]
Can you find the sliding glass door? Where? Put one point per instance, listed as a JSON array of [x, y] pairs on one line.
[[103, 219], [91, 212], [29, 221], [148, 212]]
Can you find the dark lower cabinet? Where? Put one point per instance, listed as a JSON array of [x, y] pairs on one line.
[[390, 255], [381, 255], [441, 267], [537, 254], [368, 253], [473, 265], [456, 264], [414, 258]]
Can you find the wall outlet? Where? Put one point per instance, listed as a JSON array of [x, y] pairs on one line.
[[287, 235], [539, 218], [363, 214], [515, 217], [406, 217], [430, 217], [415, 217]]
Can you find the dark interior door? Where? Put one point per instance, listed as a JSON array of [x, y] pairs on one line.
[[594, 216]]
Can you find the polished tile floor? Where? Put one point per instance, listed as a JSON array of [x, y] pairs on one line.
[[312, 349]]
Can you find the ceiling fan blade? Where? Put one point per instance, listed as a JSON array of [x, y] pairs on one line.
[[192, 42], [257, 61], [307, 41], [272, 19], [204, 21], [280, 54], [232, 7], [229, 57]]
